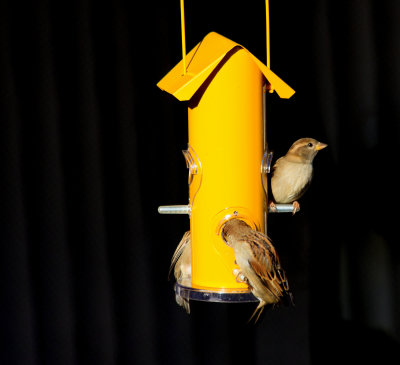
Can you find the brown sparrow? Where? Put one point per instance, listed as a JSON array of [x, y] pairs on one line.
[[293, 172], [258, 262], [181, 263]]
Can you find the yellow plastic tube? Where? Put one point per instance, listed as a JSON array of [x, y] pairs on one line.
[[226, 134], [223, 86]]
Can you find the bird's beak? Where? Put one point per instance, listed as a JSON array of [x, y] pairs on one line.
[[320, 146]]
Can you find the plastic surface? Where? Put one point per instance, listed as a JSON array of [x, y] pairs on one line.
[[195, 172], [226, 296]]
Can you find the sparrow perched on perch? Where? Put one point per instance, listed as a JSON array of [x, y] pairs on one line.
[[181, 263], [293, 172], [258, 262]]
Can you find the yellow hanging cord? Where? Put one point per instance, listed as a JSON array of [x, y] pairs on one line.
[[267, 26], [183, 36]]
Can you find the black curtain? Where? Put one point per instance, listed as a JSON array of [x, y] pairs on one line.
[[90, 147]]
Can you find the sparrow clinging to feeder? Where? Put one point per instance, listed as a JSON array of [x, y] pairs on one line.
[[258, 262], [293, 172], [181, 263]]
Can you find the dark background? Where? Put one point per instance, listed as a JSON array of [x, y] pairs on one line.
[[90, 147]]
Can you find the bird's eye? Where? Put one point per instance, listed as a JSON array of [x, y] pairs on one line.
[[310, 144]]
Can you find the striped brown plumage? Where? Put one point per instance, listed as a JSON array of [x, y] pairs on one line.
[[259, 264]]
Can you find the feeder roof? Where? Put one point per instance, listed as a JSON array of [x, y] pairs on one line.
[[202, 60]]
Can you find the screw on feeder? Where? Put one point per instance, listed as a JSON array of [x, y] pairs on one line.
[[282, 208], [174, 209]]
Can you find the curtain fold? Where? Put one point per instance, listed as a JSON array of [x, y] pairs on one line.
[[90, 147]]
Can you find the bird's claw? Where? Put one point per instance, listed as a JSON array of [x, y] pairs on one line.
[[240, 278], [296, 207], [272, 206]]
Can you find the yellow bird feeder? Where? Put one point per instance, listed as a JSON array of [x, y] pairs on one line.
[[224, 85]]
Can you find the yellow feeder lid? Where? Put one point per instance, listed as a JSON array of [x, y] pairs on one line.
[[201, 62]]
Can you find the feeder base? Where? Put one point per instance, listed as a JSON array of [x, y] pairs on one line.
[[221, 296]]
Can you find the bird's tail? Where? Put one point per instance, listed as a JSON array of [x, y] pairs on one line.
[[178, 252], [257, 312], [182, 302]]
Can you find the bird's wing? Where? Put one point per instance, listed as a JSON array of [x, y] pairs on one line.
[[179, 250], [266, 265]]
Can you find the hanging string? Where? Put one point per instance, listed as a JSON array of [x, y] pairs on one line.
[[267, 26], [183, 36]]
